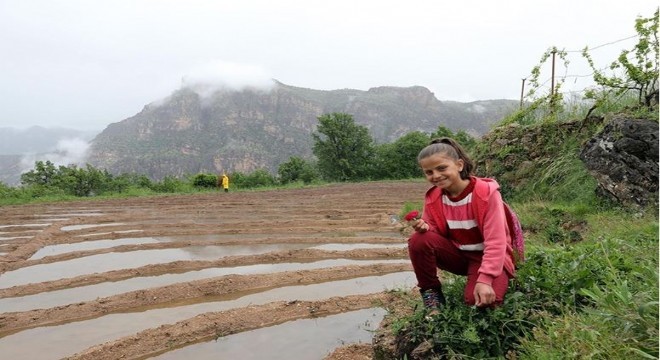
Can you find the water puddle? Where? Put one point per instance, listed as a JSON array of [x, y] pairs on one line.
[[110, 232], [6, 226], [15, 237], [91, 292], [70, 214], [109, 243], [346, 247], [115, 261], [90, 245], [301, 339], [127, 260], [51, 342], [87, 226]]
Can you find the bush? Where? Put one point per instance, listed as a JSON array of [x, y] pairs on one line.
[[297, 169], [208, 181]]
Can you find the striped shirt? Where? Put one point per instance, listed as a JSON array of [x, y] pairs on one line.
[[461, 221]]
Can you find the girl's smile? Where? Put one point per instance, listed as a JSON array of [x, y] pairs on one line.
[[445, 173]]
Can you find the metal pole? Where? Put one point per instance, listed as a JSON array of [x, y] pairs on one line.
[[552, 80], [522, 92]]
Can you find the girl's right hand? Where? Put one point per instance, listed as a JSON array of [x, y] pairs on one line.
[[420, 226]]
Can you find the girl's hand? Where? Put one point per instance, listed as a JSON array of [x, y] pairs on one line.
[[484, 294], [420, 226]]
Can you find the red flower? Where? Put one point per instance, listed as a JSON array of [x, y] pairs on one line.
[[413, 215]]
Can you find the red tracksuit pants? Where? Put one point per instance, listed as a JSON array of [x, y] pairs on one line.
[[429, 251]]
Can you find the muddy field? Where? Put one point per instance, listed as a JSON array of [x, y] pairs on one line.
[[285, 274]]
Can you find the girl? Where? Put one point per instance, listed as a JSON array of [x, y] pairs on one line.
[[463, 229]]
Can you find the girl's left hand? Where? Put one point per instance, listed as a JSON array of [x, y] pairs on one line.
[[484, 294]]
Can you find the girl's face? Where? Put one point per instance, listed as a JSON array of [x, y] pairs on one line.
[[444, 172]]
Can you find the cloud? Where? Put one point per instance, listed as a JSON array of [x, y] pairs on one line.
[[218, 75], [67, 152]]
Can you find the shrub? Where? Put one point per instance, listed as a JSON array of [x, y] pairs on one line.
[[208, 181]]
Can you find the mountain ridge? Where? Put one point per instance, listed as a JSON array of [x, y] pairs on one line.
[[244, 130]]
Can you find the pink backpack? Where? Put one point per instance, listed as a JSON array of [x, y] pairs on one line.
[[515, 230], [512, 221]]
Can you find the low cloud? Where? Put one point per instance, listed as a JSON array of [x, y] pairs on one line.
[[67, 152], [219, 75]]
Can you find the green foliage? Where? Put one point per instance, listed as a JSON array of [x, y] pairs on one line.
[[466, 140], [545, 106], [398, 160], [297, 169], [410, 206], [618, 316], [171, 184], [71, 179], [43, 173], [563, 178], [257, 178], [461, 331], [208, 181], [634, 70], [591, 288], [343, 148]]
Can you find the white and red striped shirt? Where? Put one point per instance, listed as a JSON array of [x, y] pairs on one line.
[[461, 221]]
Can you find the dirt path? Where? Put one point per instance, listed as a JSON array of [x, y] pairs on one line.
[[345, 214]]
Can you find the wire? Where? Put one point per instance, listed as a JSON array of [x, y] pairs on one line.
[[602, 45]]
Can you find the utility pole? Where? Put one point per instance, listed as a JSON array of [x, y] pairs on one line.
[[552, 83], [552, 79], [522, 92]]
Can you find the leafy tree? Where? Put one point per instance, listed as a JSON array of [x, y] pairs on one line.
[[638, 68], [461, 136], [42, 174], [71, 179], [343, 148], [82, 181], [398, 160], [296, 169]]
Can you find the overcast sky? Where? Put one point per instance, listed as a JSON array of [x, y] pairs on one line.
[[88, 63]]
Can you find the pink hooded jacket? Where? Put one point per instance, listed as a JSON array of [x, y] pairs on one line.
[[491, 220]]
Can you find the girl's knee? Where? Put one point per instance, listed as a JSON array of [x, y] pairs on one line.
[[424, 239]]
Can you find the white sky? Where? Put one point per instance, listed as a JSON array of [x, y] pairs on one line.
[[88, 63]]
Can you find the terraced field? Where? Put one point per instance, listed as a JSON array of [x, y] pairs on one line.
[[282, 274]]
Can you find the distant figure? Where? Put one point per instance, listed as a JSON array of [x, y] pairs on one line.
[[225, 182]]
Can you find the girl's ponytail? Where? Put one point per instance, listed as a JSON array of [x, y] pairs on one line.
[[451, 148]]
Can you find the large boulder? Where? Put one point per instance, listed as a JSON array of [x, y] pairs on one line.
[[623, 158]]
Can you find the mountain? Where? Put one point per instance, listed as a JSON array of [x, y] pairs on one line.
[[250, 129]]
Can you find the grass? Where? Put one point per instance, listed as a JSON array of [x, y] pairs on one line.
[[591, 298]]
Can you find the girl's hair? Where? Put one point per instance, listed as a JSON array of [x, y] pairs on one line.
[[450, 148]]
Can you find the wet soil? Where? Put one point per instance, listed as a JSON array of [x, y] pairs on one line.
[[363, 213]]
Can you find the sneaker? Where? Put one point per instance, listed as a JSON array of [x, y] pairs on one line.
[[433, 298]]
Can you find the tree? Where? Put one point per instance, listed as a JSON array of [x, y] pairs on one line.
[[461, 136], [398, 160], [343, 148], [639, 73], [43, 174], [296, 169]]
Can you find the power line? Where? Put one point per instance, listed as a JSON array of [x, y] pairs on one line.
[[606, 44]]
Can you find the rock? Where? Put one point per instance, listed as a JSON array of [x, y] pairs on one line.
[[623, 158]]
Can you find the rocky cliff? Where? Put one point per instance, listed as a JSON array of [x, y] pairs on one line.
[[259, 129]]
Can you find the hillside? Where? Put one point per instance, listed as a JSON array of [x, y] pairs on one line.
[[257, 129]]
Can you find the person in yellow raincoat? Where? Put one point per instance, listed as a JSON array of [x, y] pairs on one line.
[[225, 182]]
